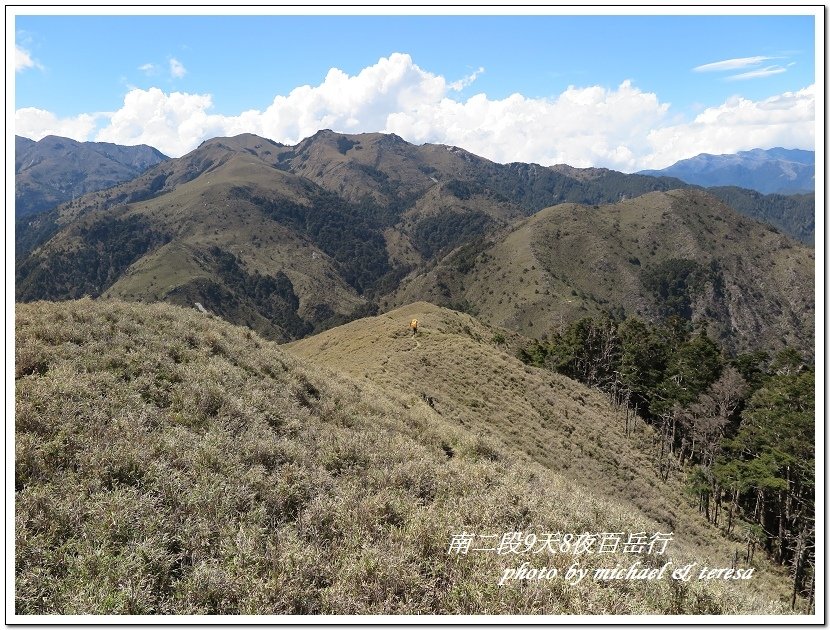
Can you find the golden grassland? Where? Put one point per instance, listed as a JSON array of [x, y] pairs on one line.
[[168, 462]]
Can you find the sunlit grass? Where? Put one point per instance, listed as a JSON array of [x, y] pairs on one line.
[[166, 462]]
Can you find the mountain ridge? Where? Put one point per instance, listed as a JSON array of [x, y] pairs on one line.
[[55, 169], [291, 240], [776, 170], [362, 222], [570, 261]]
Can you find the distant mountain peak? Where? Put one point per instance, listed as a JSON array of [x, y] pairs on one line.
[[56, 169], [776, 170]]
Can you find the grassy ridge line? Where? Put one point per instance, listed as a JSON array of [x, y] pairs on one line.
[[469, 373], [571, 261], [167, 463]]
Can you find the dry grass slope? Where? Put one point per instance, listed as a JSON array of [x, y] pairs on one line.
[[167, 462], [468, 373], [571, 261]]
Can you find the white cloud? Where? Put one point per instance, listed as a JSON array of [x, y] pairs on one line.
[[738, 124], [353, 103], [757, 74], [731, 64], [23, 59], [582, 127], [742, 63], [148, 68], [173, 123], [35, 124], [177, 70], [459, 85], [623, 128]]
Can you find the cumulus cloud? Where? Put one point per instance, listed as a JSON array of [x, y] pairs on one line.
[[582, 127], [177, 70], [353, 103], [23, 59], [148, 68], [173, 123], [35, 124], [618, 127], [738, 124]]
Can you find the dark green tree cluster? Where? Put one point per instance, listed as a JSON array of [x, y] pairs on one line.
[[29, 232], [344, 144], [352, 234], [106, 249], [767, 471], [273, 297], [654, 367], [441, 232], [532, 187], [740, 429], [674, 283], [463, 190], [793, 214]]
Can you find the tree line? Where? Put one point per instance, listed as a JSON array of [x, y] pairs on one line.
[[740, 429]]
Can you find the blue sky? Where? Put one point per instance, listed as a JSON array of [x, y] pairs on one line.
[[74, 68]]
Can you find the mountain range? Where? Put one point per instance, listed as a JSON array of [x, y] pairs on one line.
[[55, 169], [329, 225], [311, 374], [294, 239], [778, 170]]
